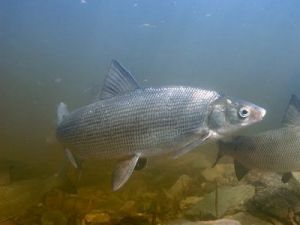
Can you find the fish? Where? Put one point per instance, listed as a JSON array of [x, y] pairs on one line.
[[275, 150], [130, 123], [16, 197]]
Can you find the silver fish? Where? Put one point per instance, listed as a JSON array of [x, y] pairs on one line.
[[132, 123], [274, 150]]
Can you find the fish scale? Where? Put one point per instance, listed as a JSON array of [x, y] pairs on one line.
[[139, 121], [275, 150]]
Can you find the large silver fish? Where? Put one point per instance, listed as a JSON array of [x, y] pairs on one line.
[[132, 123], [274, 150]]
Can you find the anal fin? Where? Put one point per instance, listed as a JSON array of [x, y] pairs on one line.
[[123, 171]]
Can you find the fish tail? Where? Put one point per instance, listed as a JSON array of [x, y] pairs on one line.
[[62, 111]]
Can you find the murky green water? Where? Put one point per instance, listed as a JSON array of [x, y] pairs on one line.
[[54, 51]]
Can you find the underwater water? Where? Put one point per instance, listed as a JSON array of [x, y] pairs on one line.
[[60, 51]]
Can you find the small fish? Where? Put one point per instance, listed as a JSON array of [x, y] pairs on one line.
[[131, 123], [18, 196], [274, 150]]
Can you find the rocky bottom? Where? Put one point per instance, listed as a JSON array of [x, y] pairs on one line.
[[199, 196]]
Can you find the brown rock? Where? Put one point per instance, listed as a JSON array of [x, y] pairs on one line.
[[217, 203], [247, 219], [212, 222], [180, 188], [139, 219], [97, 217], [189, 202], [53, 218], [222, 173], [128, 208]]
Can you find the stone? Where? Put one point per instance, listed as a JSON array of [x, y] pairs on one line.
[[189, 202], [221, 173], [211, 222], [54, 199], [248, 219], [53, 218], [273, 199], [138, 219], [128, 208], [180, 188], [276, 202], [8, 222], [97, 217], [217, 203]]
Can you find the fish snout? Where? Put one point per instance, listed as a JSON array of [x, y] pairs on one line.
[[258, 113]]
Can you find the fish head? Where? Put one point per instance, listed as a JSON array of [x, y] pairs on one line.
[[229, 115]]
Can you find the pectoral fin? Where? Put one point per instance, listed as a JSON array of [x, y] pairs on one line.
[[240, 170], [192, 145], [123, 171]]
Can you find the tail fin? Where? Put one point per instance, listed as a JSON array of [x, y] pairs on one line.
[[62, 111]]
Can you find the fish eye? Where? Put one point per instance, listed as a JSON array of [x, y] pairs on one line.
[[244, 112]]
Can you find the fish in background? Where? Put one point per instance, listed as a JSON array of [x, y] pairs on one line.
[[275, 150], [131, 123]]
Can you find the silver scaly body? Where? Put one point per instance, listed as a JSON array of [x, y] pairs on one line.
[[146, 121]]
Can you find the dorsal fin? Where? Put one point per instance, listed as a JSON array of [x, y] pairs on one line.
[[292, 113], [118, 81]]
